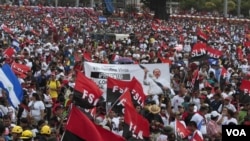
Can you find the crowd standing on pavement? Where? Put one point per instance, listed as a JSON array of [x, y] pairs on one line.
[[53, 41]]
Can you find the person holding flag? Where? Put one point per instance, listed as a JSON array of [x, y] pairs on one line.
[[196, 134], [200, 120]]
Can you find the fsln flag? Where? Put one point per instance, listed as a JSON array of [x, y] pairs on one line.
[[137, 93], [81, 128], [181, 130], [10, 83], [119, 106], [87, 93], [135, 123], [115, 88]]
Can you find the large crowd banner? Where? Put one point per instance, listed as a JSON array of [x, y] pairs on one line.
[[100, 72]]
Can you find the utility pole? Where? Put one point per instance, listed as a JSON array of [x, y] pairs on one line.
[[56, 3], [238, 8], [225, 8], [77, 3]]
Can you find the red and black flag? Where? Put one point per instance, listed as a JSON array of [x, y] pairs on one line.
[[199, 52], [202, 35], [137, 93], [86, 92], [213, 53], [136, 125], [115, 92], [119, 105], [80, 128], [115, 88]]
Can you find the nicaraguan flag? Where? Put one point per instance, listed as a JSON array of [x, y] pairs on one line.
[[15, 44], [10, 83]]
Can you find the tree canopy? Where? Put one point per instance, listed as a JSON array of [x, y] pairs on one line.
[[206, 5]]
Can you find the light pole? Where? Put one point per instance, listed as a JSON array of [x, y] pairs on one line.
[[238, 8], [92, 3], [225, 8], [77, 3], [56, 3]]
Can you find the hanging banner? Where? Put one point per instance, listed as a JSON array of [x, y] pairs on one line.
[[157, 76]]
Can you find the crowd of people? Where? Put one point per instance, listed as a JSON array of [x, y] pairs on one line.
[[54, 43]]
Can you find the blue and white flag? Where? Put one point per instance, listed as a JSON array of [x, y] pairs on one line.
[[16, 45], [10, 83]]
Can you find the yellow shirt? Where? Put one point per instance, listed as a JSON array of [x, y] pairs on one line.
[[53, 85]]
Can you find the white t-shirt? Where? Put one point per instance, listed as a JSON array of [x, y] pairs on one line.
[[227, 121], [162, 138], [176, 101], [200, 121], [47, 100], [154, 89], [35, 109]]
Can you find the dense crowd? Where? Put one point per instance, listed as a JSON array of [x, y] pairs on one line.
[[52, 42]]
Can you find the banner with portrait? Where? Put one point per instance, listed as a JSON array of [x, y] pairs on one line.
[[100, 72]]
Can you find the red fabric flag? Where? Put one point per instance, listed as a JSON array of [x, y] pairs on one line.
[[82, 127], [9, 52], [247, 44], [197, 137], [214, 53], [87, 56], [195, 76], [223, 72], [115, 88], [115, 93], [20, 70], [137, 93], [199, 49], [138, 125], [164, 60], [6, 29], [182, 130], [202, 35], [240, 53], [125, 98], [87, 93], [245, 86]]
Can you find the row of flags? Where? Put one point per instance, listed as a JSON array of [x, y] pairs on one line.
[[123, 96]]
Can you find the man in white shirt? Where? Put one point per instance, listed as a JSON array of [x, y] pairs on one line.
[[200, 120], [157, 85], [177, 100], [228, 105]]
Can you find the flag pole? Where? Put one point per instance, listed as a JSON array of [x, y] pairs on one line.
[[175, 129]]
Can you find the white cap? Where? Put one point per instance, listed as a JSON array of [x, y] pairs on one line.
[[214, 114]]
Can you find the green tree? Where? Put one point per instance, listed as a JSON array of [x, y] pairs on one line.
[[198, 5], [245, 8], [158, 6], [219, 5], [210, 6]]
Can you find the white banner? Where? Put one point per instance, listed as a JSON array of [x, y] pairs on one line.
[[100, 72]]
